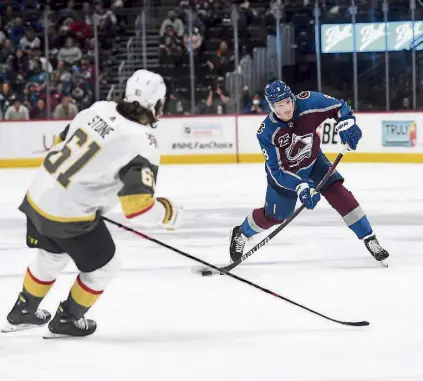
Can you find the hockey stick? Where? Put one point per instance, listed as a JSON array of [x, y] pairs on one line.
[[207, 272], [243, 280]]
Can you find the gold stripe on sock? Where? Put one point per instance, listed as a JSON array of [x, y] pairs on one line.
[[36, 287], [83, 295]]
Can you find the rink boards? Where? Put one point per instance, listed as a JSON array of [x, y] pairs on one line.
[[387, 137]]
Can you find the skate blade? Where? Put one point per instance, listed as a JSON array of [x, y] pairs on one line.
[[50, 335], [20, 327], [384, 262]]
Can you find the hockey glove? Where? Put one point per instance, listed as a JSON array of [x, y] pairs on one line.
[[307, 196], [349, 132], [173, 214]]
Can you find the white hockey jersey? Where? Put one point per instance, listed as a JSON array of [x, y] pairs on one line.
[[103, 155]]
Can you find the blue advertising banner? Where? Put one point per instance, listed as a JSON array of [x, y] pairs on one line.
[[372, 37], [402, 133]]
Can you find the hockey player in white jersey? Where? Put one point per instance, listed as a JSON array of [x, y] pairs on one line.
[[108, 150]]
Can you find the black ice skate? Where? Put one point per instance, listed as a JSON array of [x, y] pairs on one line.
[[377, 251], [238, 241], [22, 317], [65, 325]]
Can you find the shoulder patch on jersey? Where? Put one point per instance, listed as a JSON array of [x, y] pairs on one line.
[[304, 95], [261, 128]]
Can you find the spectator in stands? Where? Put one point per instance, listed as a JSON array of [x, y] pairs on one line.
[[16, 111], [6, 50], [31, 13], [55, 96], [87, 71], [62, 74], [87, 12], [171, 48], [70, 54], [89, 49], [177, 24], [182, 14], [219, 14], [66, 109], [9, 75], [5, 97], [176, 105], [29, 41], [35, 55], [258, 105], [79, 89], [246, 96], [21, 62], [203, 9], [39, 110], [17, 71], [36, 83], [197, 40], [7, 15], [80, 30], [17, 31], [217, 102], [68, 14], [224, 59], [106, 21], [406, 103]]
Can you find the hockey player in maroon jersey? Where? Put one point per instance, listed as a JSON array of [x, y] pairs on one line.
[[295, 164]]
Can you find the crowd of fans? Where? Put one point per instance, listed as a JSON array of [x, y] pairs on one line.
[[213, 47], [212, 42], [27, 25], [25, 28]]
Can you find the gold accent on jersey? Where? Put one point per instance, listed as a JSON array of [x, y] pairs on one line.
[[57, 218], [168, 209], [136, 204], [57, 140]]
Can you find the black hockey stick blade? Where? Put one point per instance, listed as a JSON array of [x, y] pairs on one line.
[[233, 276]]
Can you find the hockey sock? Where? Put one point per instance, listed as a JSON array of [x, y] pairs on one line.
[[81, 298], [343, 201], [35, 289], [89, 286], [41, 275], [257, 222]]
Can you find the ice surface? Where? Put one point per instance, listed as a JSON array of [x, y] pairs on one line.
[[158, 321]]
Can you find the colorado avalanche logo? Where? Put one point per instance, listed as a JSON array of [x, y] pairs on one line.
[[304, 95], [299, 149]]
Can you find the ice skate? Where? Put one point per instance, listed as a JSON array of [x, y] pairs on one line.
[[22, 317], [238, 241], [377, 251], [65, 325]]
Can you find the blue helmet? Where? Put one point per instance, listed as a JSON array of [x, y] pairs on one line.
[[277, 91]]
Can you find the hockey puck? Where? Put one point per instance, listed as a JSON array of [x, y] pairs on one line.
[[206, 273]]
